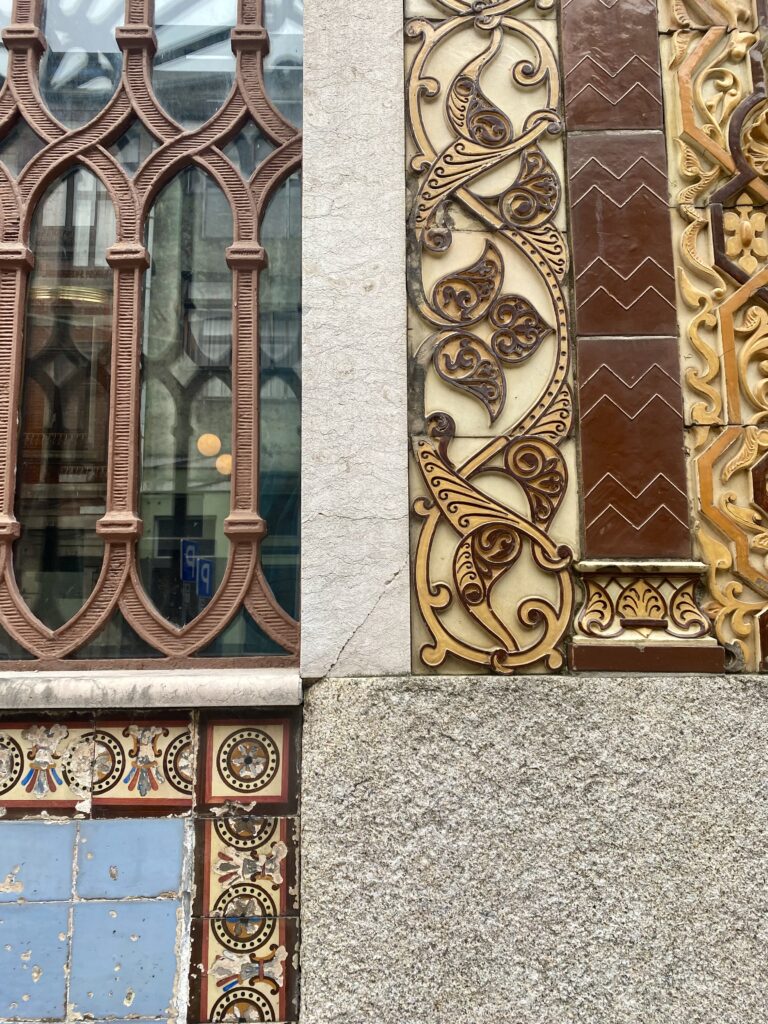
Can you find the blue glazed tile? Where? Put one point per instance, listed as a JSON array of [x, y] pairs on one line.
[[33, 956], [36, 860], [137, 857], [123, 958]]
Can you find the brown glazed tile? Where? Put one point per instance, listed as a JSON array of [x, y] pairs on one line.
[[606, 657], [622, 236], [632, 449], [611, 62]]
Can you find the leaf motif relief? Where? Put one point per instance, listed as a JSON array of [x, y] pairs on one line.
[[520, 329], [470, 113], [465, 362], [540, 470], [534, 196], [465, 296]]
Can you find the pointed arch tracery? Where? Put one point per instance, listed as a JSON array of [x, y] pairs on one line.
[[119, 584]]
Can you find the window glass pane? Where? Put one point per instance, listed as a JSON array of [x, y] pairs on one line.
[[19, 146], [186, 397], [62, 470], [81, 67], [284, 21], [6, 7], [194, 65], [280, 331]]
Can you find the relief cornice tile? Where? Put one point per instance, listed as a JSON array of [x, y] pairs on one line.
[[611, 65], [526, 10]]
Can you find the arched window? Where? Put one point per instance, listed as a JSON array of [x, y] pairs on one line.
[[150, 312]]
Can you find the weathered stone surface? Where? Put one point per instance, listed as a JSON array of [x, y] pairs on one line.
[[355, 585], [546, 850], [175, 688]]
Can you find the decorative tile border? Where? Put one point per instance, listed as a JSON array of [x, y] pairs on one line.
[[235, 777], [493, 533]]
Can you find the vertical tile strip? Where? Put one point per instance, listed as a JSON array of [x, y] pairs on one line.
[[717, 112], [638, 574], [493, 525]]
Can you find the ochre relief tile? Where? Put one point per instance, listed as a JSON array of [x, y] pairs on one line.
[[621, 230], [611, 64], [528, 10], [244, 967], [144, 765], [702, 14], [246, 854], [729, 477], [46, 764], [708, 79], [633, 465], [250, 763]]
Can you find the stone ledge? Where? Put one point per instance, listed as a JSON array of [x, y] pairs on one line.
[[155, 688]]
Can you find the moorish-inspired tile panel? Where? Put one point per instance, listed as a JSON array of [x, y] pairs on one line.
[[722, 254], [493, 529], [611, 64], [130, 811], [639, 610], [622, 245]]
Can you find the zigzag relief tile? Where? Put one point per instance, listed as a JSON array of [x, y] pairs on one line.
[[622, 245], [634, 483], [611, 65]]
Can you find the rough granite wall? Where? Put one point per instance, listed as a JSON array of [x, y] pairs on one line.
[[547, 851]]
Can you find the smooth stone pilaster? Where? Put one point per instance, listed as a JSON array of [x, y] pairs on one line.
[[355, 580]]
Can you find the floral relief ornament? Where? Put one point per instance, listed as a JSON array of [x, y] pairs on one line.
[[745, 237], [485, 338]]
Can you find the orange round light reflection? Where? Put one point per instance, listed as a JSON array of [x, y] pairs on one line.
[[224, 464], [209, 444]]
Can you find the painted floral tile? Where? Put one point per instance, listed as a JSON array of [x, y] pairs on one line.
[[145, 765], [46, 764], [244, 969], [246, 857], [250, 764]]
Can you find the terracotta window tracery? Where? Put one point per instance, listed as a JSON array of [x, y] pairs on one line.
[[150, 331]]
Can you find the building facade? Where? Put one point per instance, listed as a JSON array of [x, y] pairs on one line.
[[383, 511]]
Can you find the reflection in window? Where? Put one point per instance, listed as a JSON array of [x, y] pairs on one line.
[[194, 65], [284, 21], [62, 469], [6, 8], [280, 411], [186, 397], [81, 67]]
